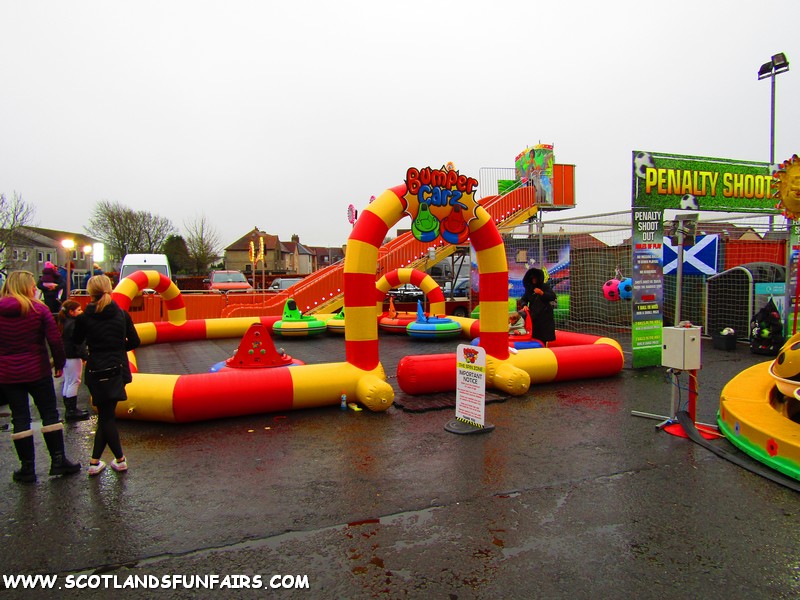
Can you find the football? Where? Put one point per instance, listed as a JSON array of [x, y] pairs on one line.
[[611, 290], [641, 162], [626, 288], [689, 202]]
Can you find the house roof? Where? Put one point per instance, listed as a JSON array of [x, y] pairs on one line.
[[291, 246], [732, 231], [56, 235], [23, 239], [585, 240], [271, 242], [334, 252]]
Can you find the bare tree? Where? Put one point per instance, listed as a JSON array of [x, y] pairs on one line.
[[125, 231], [14, 214], [202, 243], [155, 231]]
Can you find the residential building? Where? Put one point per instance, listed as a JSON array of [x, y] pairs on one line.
[[280, 258], [237, 254], [297, 259], [324, 257], [34, 246]]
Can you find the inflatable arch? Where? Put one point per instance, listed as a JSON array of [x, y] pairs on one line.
[[360, 266], [422, 280]]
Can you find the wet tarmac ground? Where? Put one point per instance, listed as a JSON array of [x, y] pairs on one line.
[[569, 497]]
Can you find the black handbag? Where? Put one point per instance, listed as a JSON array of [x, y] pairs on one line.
[[106, 384]]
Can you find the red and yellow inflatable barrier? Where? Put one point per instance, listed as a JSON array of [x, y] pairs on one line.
[[570, 356], [184, 398]]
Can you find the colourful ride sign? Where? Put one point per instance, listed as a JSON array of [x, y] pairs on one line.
[[441, 203]]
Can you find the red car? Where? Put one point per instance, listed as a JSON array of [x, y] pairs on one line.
[[227, 281]]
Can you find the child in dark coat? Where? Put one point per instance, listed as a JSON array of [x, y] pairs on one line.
[[76, 354]]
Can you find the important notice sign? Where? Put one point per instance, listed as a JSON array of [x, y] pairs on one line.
[[470, 384]]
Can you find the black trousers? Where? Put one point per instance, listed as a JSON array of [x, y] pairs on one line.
[[107, 433]]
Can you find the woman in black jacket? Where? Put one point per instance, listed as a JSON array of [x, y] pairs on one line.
[[538, 298], [109, 333]]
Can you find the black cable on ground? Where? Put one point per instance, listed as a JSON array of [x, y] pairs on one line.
[[751, 465]]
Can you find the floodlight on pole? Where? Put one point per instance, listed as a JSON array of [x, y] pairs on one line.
[[778, 64], [99, 252]]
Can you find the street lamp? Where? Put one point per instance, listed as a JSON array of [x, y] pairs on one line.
[[777, 65], [68, 245]]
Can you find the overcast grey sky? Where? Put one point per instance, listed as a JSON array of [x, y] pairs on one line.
[[281, 114]]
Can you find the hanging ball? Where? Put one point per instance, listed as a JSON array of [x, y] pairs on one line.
[[626, 288], [611, 290]]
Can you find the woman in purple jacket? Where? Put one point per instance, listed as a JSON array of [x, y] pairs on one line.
[[27, 328]]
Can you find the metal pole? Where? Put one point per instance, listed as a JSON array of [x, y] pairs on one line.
[[772, 123], [772, 159], [787, 296], [540, 232], [679, 276]]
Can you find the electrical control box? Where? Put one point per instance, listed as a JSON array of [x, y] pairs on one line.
[[681, 348]]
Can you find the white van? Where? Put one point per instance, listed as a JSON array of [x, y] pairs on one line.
[[145, 262]]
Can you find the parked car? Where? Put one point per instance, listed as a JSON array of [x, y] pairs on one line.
[[283, 283], [406, 293], [460, 289], [227, 281]]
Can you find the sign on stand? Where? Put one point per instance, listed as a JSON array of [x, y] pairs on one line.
[[470, 391]]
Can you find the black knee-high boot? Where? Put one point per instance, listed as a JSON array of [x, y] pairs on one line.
[[73, 413], [59, 463], [25, 450]]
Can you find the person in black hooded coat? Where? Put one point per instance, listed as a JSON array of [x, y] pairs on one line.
[[538, 298]]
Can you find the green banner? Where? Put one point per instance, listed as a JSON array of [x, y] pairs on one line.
[[648, 287], [674, 181]]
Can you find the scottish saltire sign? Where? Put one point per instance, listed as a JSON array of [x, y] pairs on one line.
[[700, 259]]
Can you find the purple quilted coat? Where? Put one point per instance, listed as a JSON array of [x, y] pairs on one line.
[[24, 341]]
